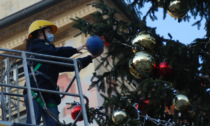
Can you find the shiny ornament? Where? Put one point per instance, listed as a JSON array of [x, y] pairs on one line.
[[177, 9], [164, 69], [180, 102], [144, 40], [208, 91], [119, 117], [75, 111], [95, 45], [141, 65]]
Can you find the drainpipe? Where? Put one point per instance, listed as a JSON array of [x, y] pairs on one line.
[[22, 14]]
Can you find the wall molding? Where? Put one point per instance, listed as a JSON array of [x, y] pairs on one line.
[[62, 22]]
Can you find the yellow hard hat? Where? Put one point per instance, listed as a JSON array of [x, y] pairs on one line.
[[39, 24]]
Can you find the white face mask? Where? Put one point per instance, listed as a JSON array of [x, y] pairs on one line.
[[50, 37]]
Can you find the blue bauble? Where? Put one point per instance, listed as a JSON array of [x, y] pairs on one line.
[[95, 45]]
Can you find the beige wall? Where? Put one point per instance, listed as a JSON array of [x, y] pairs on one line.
[[64, 37], [8, 7], [85, 77]]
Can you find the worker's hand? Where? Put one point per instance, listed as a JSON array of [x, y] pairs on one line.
[[94, 56], [81, 47]]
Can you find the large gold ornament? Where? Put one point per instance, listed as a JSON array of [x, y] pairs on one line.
[[141, 65], [180, 102], [178, 9], [144, 40], [119, 117]]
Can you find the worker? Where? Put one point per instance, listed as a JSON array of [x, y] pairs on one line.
[[40, 38]]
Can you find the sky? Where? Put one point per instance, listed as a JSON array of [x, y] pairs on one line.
[[183, 31]]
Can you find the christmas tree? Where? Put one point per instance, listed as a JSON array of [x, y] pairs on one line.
[[170, 79]]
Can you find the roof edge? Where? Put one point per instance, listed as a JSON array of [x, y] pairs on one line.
[[24, 13]]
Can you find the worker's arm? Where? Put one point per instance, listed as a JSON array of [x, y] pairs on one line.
[[82, 63], [49, 49]]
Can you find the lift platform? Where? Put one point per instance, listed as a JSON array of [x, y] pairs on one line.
[[14, 66]]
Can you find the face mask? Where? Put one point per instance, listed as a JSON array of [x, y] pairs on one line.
[[50, 37]]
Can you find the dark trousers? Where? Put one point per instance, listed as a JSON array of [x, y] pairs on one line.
[[39, 112]]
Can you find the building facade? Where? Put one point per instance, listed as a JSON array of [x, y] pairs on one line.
[[13, 33]]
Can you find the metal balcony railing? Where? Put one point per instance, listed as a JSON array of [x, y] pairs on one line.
[[14, 60]]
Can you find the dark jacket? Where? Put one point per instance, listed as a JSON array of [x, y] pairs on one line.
[[52, 70]]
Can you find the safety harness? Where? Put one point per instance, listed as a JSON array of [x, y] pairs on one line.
[[35, 95], [40, 98]]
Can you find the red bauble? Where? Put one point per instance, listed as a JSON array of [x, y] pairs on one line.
[[164, 69], [75, 111]]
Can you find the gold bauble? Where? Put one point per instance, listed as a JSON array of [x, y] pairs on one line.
[[142, 64], [177, 9], [180, 102], [119, 117], [144, 40]]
